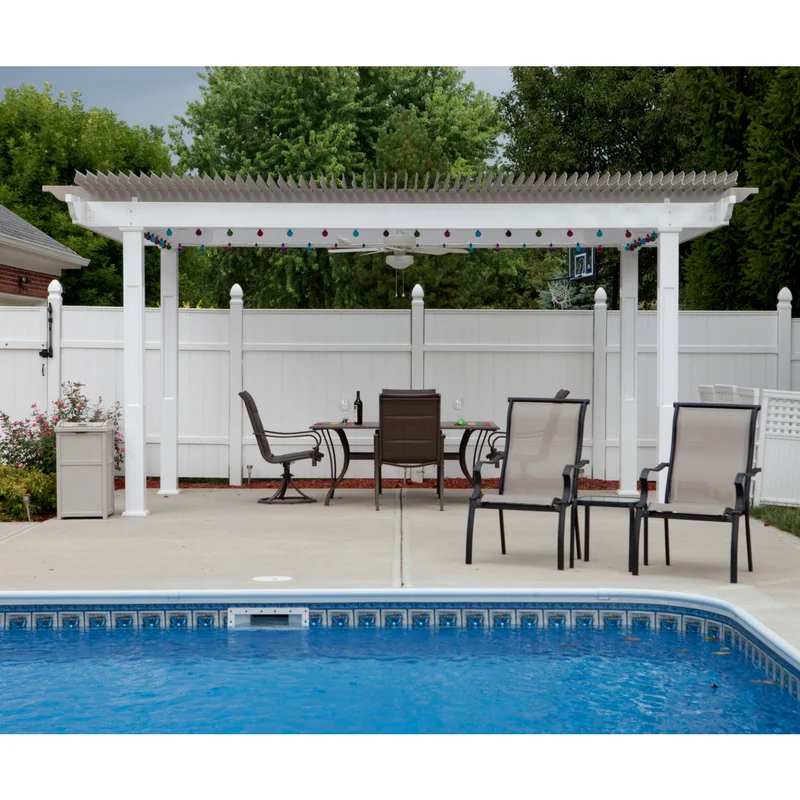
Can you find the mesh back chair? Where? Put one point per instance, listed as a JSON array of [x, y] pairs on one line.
[[409, 434], [542, 458], [263, 437], [710, 471]]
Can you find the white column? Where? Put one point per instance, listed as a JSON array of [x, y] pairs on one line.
[[236, 319], [54, 301], [785, 339], [598, 462], [667, 345], [133, 300], [417, 338], [169, 373], [628, 375]]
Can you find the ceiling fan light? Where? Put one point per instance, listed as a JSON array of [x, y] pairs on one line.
[[399, 262]]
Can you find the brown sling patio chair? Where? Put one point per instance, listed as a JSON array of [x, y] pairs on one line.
[[409, 434], [541, 462], [710, 471], [286, 459]]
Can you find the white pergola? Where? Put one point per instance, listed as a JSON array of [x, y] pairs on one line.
[[482, 212]]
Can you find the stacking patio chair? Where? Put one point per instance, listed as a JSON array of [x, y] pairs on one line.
[[286, 459], [710, 470], [541, 462], [409, 434]]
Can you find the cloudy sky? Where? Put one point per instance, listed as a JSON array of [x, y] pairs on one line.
[[154, 95]]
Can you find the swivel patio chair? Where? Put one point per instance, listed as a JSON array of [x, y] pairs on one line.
[[710, 472], [409, 434], [541, 462], [285, 460]]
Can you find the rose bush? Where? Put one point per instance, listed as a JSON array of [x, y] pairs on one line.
[[31, 443]]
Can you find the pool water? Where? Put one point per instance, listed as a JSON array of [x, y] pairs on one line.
[[379, 681]]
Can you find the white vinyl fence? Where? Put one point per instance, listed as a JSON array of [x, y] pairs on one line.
[[297, 364]]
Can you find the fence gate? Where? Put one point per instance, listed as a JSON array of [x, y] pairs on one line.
[[23, 335], [779, 449]]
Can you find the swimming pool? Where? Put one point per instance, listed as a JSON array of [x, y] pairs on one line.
[[392, 662]]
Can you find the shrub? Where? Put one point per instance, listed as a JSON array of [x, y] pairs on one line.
[[16, 483], [31, 443]]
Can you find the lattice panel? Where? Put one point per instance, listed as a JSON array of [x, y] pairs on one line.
[[782, 416]]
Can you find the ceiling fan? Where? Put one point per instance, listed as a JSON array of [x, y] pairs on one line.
[[399, 246]]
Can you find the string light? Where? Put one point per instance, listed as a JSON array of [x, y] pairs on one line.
[[355, 233], [180, 248], [230, 232], [325, 233], [229, 248], [416, 234], [538, 234], [470, 249], [497, 247], [169, 231], [257, 250], [290, 233], [259, 232], [309, 248], [508, 233], [599, 233], [202, 248], [569, 233], [447, 234], [550, 249], [478, 234], [628, 234], [386, 233], [283, 247], [198, 232]]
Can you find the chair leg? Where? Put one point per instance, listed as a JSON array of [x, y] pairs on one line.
[[571, 536], [666, 540], [377, 483], [633, 546], [502, 532], [577, 532], [440, 482], [646, 559], [561, 515], [735, 549], [747, 539], [287, 480], [586, 532], [470, 526]]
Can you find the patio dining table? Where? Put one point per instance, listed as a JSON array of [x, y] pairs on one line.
[[468, 428]]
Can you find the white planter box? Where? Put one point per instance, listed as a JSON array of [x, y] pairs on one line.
[[85, 469]]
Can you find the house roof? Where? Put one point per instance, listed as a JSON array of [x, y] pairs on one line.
[[484, 188], [14, 229]]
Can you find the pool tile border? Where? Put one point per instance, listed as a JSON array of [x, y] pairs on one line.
[[494, 617]]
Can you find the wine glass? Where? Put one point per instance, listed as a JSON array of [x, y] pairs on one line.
[[344, 407], [458, 404]]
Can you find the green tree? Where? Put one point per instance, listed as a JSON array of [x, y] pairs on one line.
[[598, 119], [595, 119], [722, 102], [44, 140], [773, 215], [329, 121]]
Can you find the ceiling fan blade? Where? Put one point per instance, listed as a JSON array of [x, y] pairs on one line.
[[436, 251], [362, 250]]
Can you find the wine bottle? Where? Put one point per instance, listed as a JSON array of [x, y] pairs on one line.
[[358, 407]]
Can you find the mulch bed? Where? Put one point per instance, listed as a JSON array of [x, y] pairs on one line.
[[586, 484]]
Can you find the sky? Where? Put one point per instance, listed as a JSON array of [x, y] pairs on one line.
[[155, 95]]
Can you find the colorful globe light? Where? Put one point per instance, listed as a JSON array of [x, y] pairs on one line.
[[198, 232], [538, 234], [497, 248], [599, 232], [508, 233], [169, 231], [386, 233], [599, 248], [202, 248], [416, 234], [355, 233], [290, 232], [229, 248], [259, 232], [180, 248], [478, 234], [447, 234], [628, 234], [230, 232], [569, 233], [325, 233], [283, 248]]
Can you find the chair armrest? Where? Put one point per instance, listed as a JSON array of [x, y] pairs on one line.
[[643, 489], [740, 483], [477, 491], [570, 486], [295, 435]]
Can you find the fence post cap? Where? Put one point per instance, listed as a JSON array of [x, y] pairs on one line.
[[417, 292], [785, 295], [600, 296]]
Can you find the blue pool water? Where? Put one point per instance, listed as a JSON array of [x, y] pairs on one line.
[[378, 681]]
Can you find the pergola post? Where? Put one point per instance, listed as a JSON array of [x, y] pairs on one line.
[[133, 300], [169, 373], [667, 344], [628, 374], [236, 377]]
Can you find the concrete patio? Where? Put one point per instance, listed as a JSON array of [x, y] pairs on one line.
[[223, 539]]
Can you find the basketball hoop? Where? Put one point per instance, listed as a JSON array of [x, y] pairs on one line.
[[559, 292]]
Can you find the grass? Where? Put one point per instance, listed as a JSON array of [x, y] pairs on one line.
[[784, 518]]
